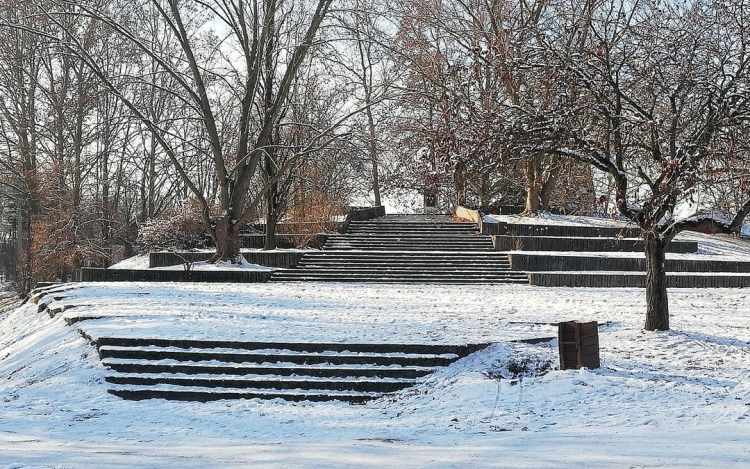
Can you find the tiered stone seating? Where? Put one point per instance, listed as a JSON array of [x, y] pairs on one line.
[[204, 370], [416, 248]]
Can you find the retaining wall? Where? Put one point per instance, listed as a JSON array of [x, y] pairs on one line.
[[284, 241], [550, 263], [555, 279], [571, 231], [202, 276], [585, 244], [283, 259]]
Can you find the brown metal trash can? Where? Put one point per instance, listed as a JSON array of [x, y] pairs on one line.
[[579, 345]]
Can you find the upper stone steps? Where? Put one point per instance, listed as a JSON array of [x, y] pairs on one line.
[[411, 248], [484, 266]]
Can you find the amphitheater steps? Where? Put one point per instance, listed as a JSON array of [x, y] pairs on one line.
[[202, 370], [406, 249]]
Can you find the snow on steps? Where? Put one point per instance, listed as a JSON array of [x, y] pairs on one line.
[[406, 249], [204, 370]]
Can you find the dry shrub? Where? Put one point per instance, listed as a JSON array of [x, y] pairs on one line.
[[309, 216], [180, 228]]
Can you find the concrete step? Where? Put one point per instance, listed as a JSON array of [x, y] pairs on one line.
[[455, 280], [366, 258], [407, 239], [384, 222], [197, 368], [345, 246], [417, 231], [205, 370], [393, 270], [193, 394], [409, 243], [401, 247], [311, 347], [448, 255], [382, 386], [274, 356], [409, 235], [385, 276], [376, 265]]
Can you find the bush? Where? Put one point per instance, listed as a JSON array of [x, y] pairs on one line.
[[180, 228]]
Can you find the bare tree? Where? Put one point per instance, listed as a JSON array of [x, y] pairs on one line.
[[651, 92], [213, 71], [470, 60], [20, 68]]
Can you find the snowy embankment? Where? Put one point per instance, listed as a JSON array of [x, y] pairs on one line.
[[672, 400]]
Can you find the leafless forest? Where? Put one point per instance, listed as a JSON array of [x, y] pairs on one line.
[[127, 124]]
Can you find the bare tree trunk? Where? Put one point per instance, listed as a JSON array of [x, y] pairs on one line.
[[657, 304], [151, 194], [545, 194], [532, 167], [373, 150], [227, 241], [269, 243], [459, 183], [272, 202]]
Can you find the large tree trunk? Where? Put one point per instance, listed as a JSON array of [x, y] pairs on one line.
[[270, 240], [272, 204], [271, 219], [227, 240], [532, 174], [657, 304]]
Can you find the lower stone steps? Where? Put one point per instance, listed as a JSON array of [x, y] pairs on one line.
[[175, 393], [149, 367], [205, 370]]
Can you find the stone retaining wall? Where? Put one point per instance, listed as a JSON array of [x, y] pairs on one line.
[[590, 279], [571, 231], [281, 259], [585, 244], [551, 263], [202, 276]]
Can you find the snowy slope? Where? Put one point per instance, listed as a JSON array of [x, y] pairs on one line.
[[676, 399]]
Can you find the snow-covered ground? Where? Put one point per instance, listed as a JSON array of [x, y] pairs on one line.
[[566, 220], [678, 399], [142, 262]]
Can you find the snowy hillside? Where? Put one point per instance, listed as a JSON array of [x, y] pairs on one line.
[[677, 399]]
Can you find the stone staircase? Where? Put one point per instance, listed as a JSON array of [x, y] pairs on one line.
[[401, 249], [203, 370]]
